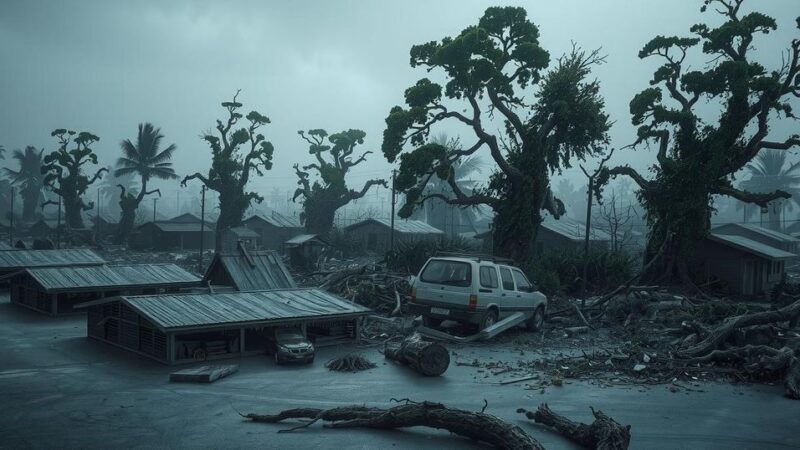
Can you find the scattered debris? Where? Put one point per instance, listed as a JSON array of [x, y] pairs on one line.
[[478, 426], [203, 374], [603, 434], [487, 333], [350, 363]]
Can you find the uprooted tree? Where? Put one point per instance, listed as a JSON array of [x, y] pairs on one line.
[[145, 160], [496, 69], [236, 154], [696, 159], [322, 199], [63, 172]]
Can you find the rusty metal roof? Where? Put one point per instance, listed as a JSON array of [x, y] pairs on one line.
[[257, 270], [401, 226], [171, 312], [62, 279], [22, 259]]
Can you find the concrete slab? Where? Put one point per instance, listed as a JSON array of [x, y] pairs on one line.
[[62, 390], [203, 374]]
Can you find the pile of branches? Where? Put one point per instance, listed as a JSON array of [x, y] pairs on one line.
[[350, 363], [371, 286], [603, 433]]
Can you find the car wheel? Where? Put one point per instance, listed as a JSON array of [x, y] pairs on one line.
[[277, 358], [431, 322], [536, 322], [489, 319], [311, 360]]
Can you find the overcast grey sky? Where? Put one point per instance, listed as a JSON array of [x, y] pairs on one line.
[[105, 66]]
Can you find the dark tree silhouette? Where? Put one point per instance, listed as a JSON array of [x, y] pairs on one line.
[[322, 199], [29, 178], [696, 159], [230, 168], [63, 172], [550, 118], [146, 160]]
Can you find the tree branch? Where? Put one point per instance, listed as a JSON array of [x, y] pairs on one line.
[[759, 199]]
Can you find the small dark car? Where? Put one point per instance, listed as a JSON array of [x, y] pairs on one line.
[[290, 345]]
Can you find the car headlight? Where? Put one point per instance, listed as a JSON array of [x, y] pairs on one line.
[[283, 347]]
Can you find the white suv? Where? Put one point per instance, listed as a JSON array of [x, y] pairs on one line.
[[477, 290]]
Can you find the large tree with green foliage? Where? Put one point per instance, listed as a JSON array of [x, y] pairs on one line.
[[235, 154], [147, 160], [29, 178], [63, 172], [498, 69], [322, 199], [696, 158]]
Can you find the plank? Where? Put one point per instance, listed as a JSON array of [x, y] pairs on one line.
[[203, 374]]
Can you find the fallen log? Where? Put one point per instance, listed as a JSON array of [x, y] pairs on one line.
[[478, 426], [603, 434], [428, 358]]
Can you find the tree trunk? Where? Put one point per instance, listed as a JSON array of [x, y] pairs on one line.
[[428, 358], [72, 211], [516, 226], [30, 201], [774, 215], [603, 434], [319, 217], [126, 222]]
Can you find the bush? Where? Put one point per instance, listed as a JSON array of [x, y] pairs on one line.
[[343, 245], [409, 257], [561, 271]]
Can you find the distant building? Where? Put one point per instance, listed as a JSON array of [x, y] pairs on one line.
[[744, 265], [756, 233], [46, 229], [564, 234], [273, 229], [246, 270], [304, 250], [105, 224], [56, 290], [179, 233], [233, 237], [374, 235]]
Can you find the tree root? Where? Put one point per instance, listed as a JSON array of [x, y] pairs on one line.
[[604, 433], [350, 363], [478, 426]]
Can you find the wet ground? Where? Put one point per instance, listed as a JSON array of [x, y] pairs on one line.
[[60, 389]]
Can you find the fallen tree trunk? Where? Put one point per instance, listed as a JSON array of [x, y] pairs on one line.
[[428, 358], [603, 434], [478, 426]]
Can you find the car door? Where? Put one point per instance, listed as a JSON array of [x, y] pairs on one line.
[[488, 286], [527, 299], [508, 294]]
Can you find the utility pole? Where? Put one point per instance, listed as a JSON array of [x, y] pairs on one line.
[[11, 221], [587, 231], [391, 235], [58, 225], [153, 234], [202, 224], [97, 218]]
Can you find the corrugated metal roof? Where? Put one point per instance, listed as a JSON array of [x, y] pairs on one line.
[[56, 279], [185, 311], [266, 272], [21, 259], [402, 226], [185, 218], [179, 227], [4, 246], [243, 232], [751, 246], [303, 238], [572, 229], [770, 234], [275, 219]]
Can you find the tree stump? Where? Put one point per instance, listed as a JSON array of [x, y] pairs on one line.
[[603, 434], [428, 358]]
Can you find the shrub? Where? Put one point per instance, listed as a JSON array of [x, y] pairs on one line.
[[409, 257], [561, 271]]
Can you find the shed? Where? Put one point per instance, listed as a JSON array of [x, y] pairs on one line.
[[46, 228], [174, 234], [56, 290], [374, 235], [746, 266], [189, 327], [12, 261], [233, 237], [783, 241], [105, 224], [246, 270], [304, 250], [273, 229], [568, 234]]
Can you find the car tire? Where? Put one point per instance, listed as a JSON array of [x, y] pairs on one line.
[[431, 322], [488, 319], [536, 322], [277, 358], [311, 360]]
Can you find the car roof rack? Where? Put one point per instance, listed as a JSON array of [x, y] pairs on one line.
[[477, 256]]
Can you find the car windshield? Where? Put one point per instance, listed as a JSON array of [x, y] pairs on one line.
[[290, 336], [454, 273]]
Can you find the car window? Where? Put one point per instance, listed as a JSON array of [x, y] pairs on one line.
[[522, 282], [488, 277], [453, 273], [508, 280]]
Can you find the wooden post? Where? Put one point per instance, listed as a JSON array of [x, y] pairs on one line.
[[391, 236], [171, 348], [241, 340], [11, 221], [202, 225], [54, 305]]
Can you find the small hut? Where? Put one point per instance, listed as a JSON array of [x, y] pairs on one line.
[[374, 235], [305, 250], [273, 229], [246, 270], [179, 233], [783, 241]]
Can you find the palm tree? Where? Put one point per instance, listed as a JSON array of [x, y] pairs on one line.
[[769, 172], [146, 160], [29, 178], [440, 214]]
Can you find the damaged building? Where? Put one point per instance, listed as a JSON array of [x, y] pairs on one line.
[[245, 270]]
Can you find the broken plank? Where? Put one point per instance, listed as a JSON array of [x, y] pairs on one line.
[[203, 374], [520, 379]]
